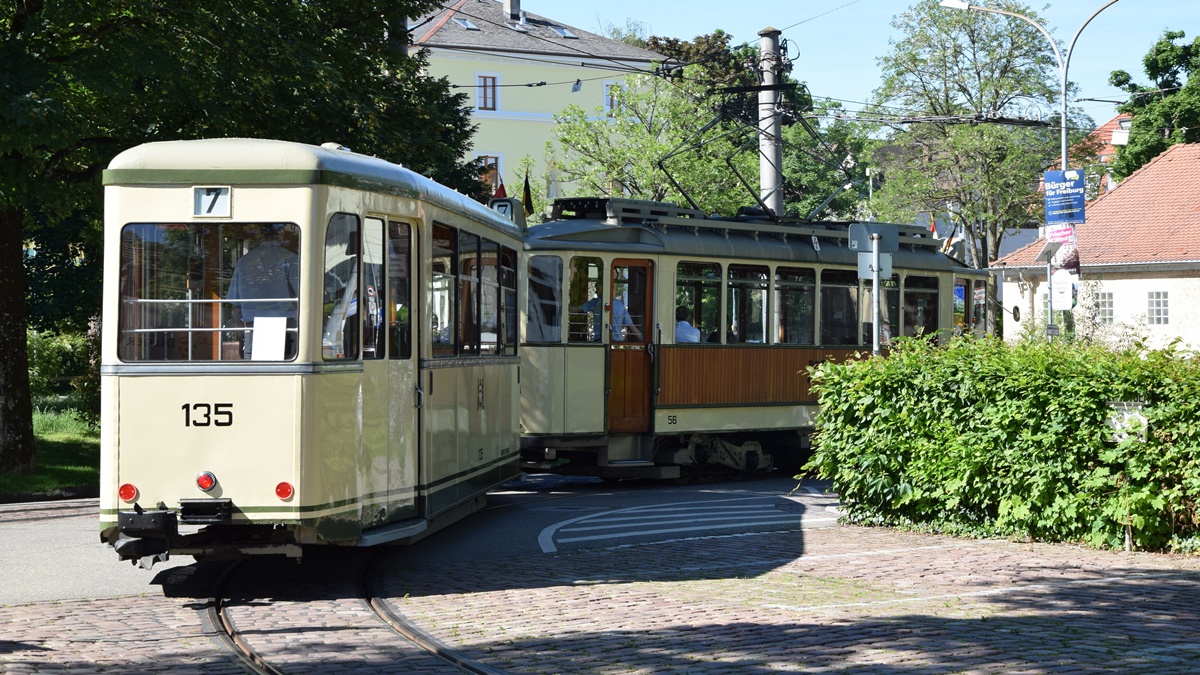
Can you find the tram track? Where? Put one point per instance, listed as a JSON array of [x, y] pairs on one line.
[[411, 643]]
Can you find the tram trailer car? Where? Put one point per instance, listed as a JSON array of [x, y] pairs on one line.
[[301, 345], [609, 386]]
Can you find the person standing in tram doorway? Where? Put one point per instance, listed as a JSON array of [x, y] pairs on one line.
[[621, 321]]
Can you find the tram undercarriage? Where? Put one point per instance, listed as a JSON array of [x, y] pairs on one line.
[[673, 456]]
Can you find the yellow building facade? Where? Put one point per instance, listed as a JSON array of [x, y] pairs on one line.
[[520, 70]]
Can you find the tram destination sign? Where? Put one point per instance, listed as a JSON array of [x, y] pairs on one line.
[[1065, 196]]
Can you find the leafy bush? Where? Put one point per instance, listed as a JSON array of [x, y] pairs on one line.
[[87, 384], [988, 438], [54, 358]]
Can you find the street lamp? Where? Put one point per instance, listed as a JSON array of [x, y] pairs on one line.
[[1063, 63]]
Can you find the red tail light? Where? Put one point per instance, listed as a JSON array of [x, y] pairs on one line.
[[127, 492], [284, 491], [206, 481]]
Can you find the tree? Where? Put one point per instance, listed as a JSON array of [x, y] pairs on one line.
[[83, 81], [617, 152], [820, 159], [952, 70], [1165, 112]]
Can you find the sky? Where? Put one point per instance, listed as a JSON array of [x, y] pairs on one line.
[[835, 44]]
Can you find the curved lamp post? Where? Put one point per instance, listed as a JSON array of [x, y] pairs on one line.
[[1063, 64]]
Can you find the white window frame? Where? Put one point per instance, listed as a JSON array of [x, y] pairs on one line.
[[1158, 309], [1104, 307]]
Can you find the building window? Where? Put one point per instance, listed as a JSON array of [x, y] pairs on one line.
[[489, 172], [486, 96], [1157, 311], [612, 98], [1104, 307]]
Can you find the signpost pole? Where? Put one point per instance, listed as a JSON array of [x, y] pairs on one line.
[[875, 237]]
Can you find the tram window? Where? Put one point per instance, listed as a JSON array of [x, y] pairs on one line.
[[339, 336], [889, 310], [543, 314], [746, 303], [979, 308], [468, 293], [795, 305], [961, 309], [489, 297], [508, 296], [920, 306], [373, 290], [839, 307], [698, 288], [174, 279], [585, 295], [442, 271], [399, 296], [630, 303]]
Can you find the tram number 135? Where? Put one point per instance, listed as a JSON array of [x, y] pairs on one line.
[[207, 414]]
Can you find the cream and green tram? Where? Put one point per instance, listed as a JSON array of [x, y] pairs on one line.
[[301, 345], [658, 342]]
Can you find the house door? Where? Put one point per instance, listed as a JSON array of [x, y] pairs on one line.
[[630, 329]]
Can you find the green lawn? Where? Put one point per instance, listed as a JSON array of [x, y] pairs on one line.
[[68, 451]]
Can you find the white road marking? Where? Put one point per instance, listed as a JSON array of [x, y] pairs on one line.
[[699, 514]]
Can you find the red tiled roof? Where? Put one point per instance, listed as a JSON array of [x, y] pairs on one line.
[[1153, 216]]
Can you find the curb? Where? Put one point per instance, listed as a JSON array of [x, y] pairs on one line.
[[70, 492]]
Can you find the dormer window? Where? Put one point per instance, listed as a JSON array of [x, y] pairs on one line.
[[466, 23], [563, 32]]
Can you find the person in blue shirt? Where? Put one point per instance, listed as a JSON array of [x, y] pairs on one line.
[[622, 324], [684, 330]]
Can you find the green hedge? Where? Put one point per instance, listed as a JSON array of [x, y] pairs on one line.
[[986, 438]]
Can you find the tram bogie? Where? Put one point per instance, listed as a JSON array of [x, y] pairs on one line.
[[302, 345], [663, 343]]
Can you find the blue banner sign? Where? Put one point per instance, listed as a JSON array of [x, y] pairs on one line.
[[1064, 196]]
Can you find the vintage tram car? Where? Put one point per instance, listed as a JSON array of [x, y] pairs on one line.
[[301, 345], [617, 383]]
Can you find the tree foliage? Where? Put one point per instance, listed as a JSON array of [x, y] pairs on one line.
[[1165, 112], [948, 67], [618, 152], [823, 159], [83, 81]]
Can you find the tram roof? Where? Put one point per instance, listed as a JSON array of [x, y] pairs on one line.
[[255, 161], [655, 228]]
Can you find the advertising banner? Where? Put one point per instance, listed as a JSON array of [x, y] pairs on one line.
[[1065, 196]]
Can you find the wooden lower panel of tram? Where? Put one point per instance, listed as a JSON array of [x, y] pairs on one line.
[[724, 375]]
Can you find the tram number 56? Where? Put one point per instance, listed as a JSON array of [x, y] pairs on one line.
[[207, 414]]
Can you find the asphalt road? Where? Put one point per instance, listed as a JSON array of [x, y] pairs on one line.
[[52, 551]]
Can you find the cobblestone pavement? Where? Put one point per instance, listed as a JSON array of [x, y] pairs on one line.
[[833, 599], [840, 599]]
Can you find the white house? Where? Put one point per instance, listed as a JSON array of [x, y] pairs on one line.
[[1139, 253]]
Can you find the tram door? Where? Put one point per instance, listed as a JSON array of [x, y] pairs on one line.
[[400, 311], [388, 415], [630, 345]]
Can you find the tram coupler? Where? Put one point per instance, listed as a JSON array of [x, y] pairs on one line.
[[145, 534]]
